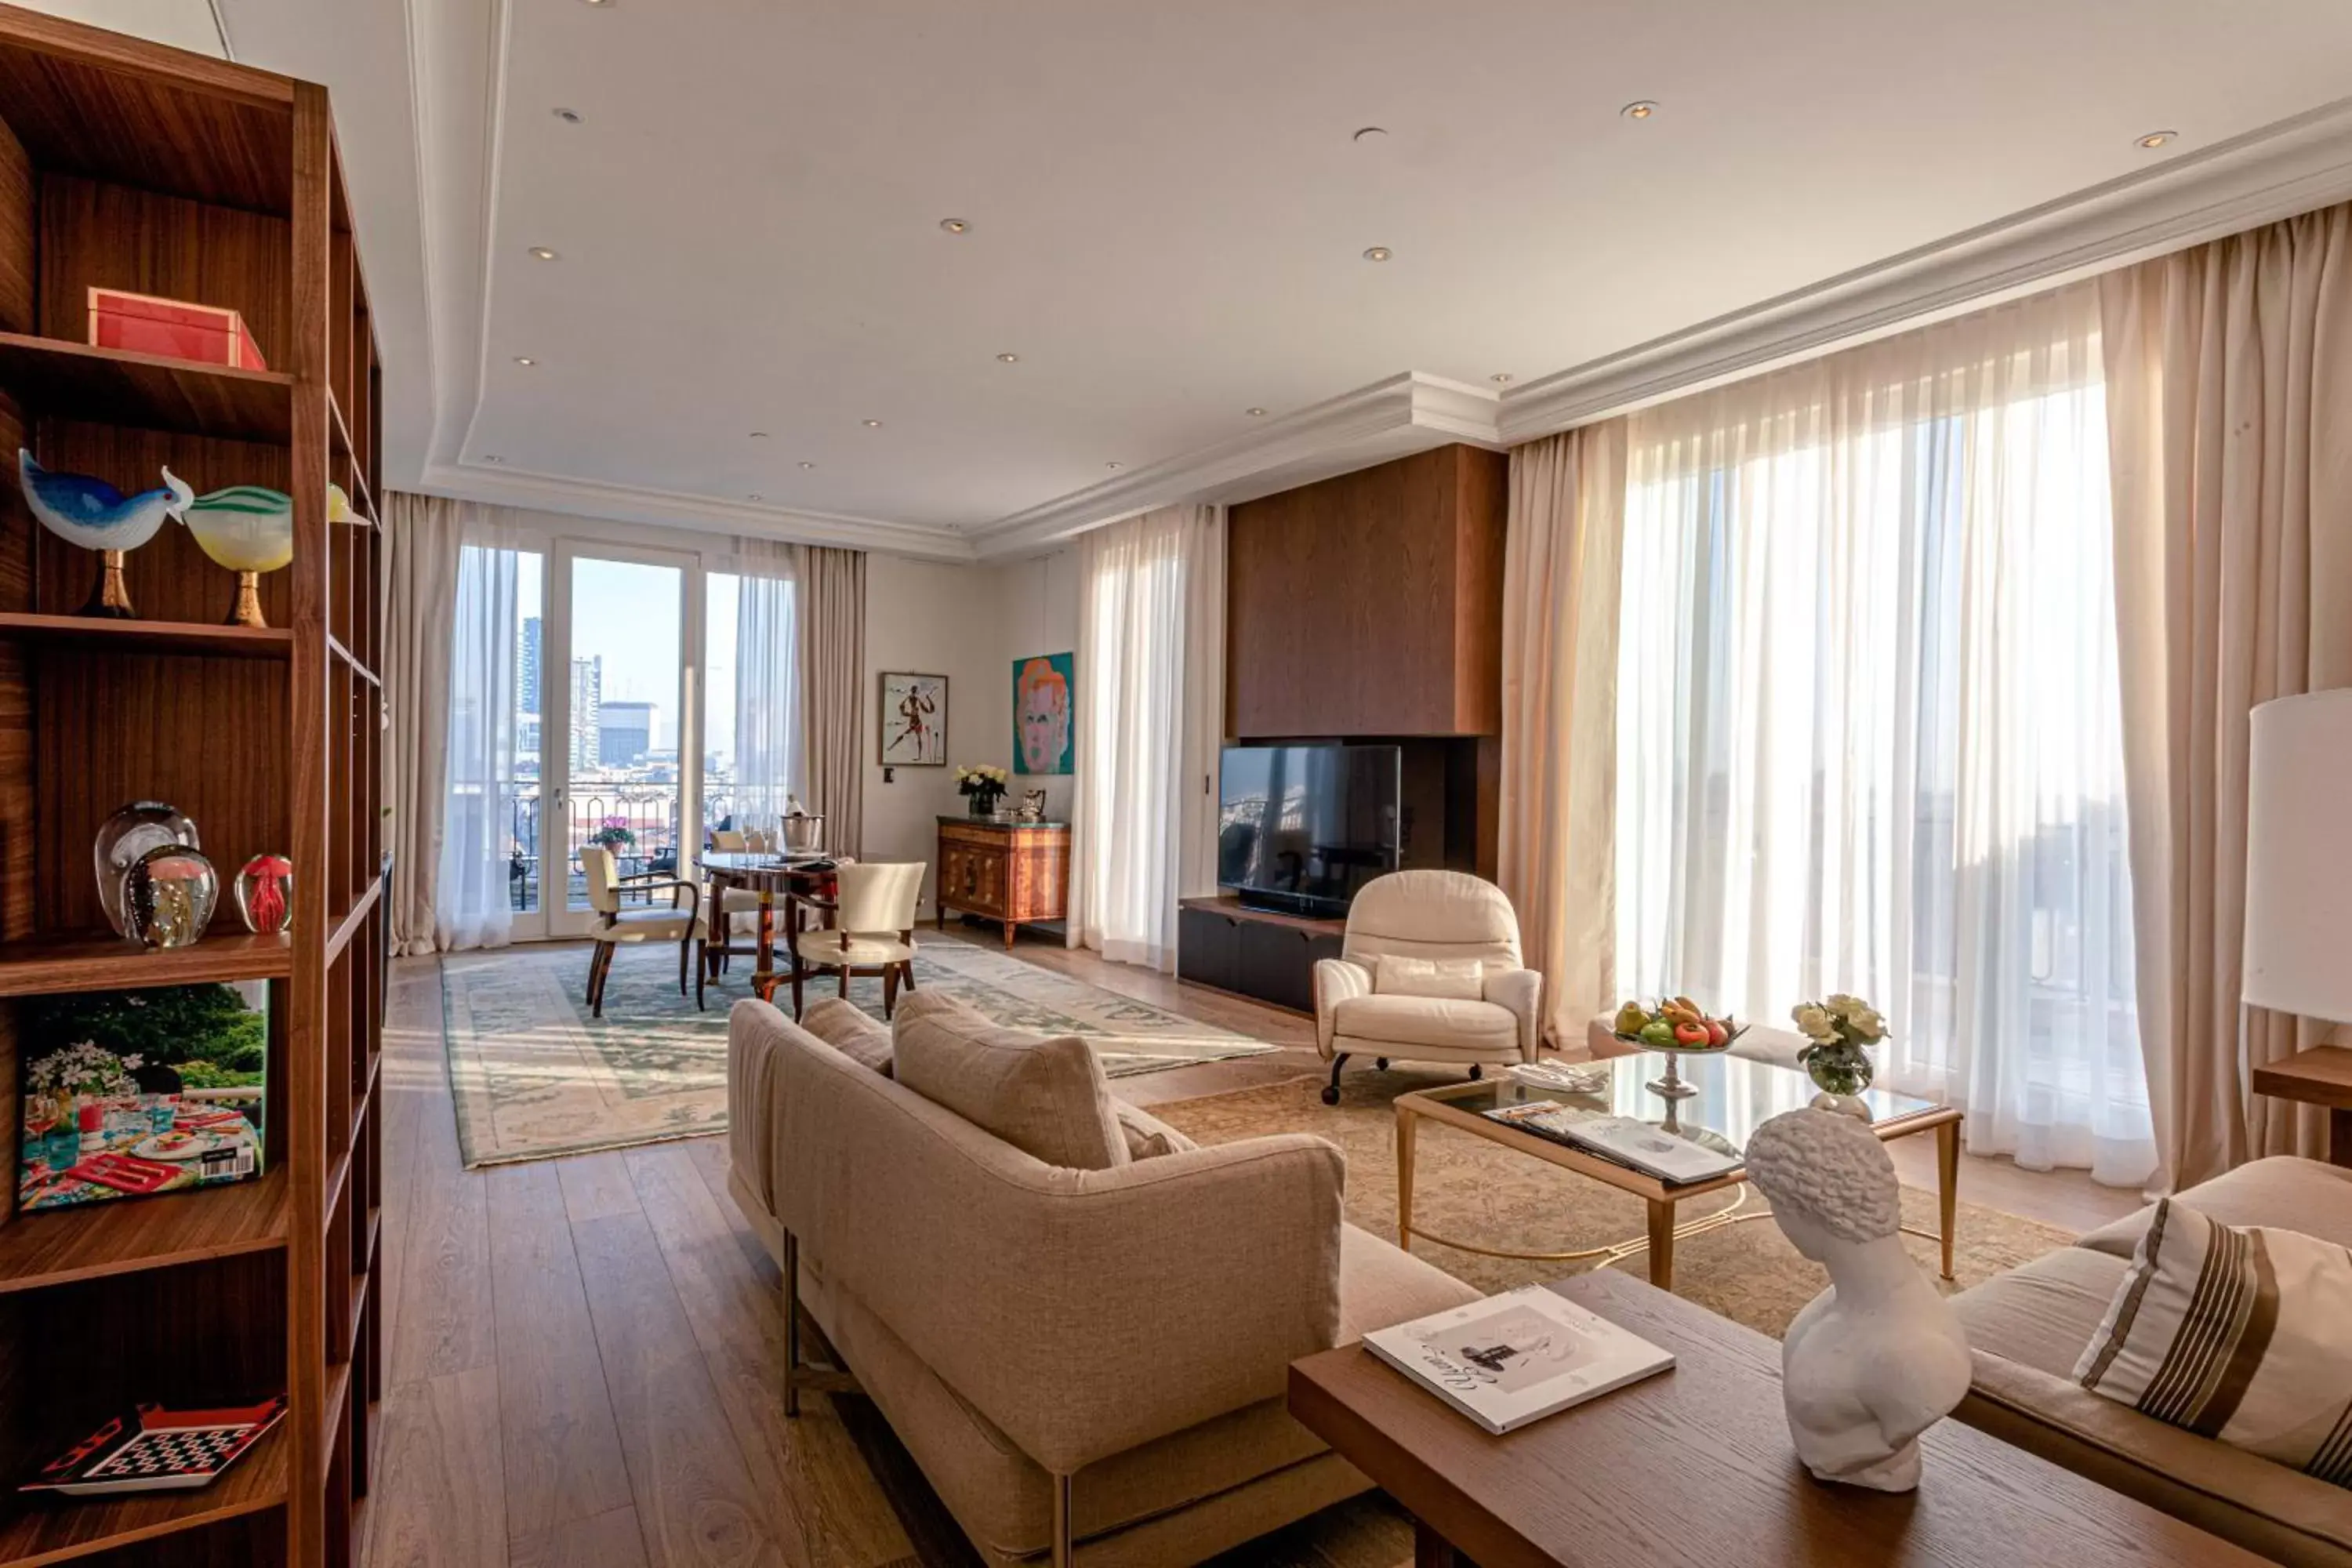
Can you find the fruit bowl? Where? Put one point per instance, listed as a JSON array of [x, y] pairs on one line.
[[1677, 1024]]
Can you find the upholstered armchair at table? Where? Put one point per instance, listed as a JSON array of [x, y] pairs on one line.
[[1429, 972], [680, 921]]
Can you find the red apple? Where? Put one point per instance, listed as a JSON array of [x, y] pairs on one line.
[[1689, 1035], [1716, 1035]]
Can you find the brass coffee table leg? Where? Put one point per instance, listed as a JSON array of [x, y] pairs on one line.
[[1405, 1128], [1947, 1184]]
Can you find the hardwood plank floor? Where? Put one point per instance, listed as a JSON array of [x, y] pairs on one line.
[[585, 1354]]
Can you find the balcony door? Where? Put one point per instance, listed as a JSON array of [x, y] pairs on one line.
[[620, 754]]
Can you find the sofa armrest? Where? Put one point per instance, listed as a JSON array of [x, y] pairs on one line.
[[2243, 1497], [1521, 990], [1336, 980], [755, 1039], [1082, 1312]]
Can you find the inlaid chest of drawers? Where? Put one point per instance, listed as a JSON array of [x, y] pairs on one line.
[[1012, 872]]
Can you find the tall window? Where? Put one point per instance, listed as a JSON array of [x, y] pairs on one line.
[[1869, 720]]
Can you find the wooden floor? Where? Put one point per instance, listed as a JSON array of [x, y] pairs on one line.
[[583, 1354]]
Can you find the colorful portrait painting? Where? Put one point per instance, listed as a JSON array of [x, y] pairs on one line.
[[1045, 713], [914, 721]]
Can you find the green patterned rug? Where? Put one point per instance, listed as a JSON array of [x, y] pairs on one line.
[[535, 1077]]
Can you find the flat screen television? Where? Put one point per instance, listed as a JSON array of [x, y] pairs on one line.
[[1301, 828]]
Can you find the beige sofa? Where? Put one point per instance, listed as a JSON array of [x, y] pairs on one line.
[[2028, 1326], [1088, 1364]]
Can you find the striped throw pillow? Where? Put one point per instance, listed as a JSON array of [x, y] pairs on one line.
[[2240, 1335]]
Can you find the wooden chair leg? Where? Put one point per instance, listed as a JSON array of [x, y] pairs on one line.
[[599, 968], [843, 973], [685, 945], [702, 970], [889, 990], [797, 987]]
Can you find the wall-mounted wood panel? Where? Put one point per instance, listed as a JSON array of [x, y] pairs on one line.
[[1370, 603]]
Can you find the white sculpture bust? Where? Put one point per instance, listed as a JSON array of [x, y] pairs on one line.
[[1878, 1357]]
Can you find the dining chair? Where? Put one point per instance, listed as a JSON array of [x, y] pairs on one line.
[[869, 928], [616, 924], [730, 902]]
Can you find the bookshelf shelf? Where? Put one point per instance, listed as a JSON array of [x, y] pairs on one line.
[[150, 637], [67, 1246], [77, 381], [34, 1531]]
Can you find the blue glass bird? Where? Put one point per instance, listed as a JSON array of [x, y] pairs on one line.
[[90, 513]]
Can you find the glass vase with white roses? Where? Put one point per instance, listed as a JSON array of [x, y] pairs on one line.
[[1837, 1031], [982, 786]]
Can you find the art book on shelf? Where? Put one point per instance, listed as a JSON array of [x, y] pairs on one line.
[[1692, 1155], [154, 1449], [1517, 1357]]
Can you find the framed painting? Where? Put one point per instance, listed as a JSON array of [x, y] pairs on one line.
[[914, 721], [1045, 713]]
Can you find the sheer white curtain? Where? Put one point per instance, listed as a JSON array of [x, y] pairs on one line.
[[472, 898], [768, 743], [1869, 719], [1128, 833]]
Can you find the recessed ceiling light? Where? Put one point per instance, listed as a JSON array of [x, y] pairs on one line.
[[1009, 359], [525, 360], [755, 495], [1501, 378], [540, 253], [1114, 465], [599, 5], [492, 458], [2156, 139], [1640, 109], [871, 423], [1254, 413], [1369, 131], [759, 435], [807, 465], [1378, 253], [568, 116], [955, 226]]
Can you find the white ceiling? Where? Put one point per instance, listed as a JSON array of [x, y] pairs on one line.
[[1167, 214]]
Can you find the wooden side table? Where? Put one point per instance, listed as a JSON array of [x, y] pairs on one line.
[[2320, 1076], [1013, 872]]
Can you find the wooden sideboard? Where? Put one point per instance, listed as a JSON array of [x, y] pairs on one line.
[[1013, 872]]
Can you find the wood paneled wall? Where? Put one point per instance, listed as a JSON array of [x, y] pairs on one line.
[[1370, 603]]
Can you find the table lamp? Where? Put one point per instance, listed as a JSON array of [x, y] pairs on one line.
[[2298, 952]]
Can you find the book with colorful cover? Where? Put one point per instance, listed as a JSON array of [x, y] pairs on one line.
[[1517, 1357], [126, 1094], [154, 1449]]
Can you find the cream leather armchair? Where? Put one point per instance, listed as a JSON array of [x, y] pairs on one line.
[[1432, 915]]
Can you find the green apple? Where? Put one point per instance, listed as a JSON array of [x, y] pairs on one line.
[[1658, 1032]]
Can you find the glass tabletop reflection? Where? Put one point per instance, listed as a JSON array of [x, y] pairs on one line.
[[1736, 1095]]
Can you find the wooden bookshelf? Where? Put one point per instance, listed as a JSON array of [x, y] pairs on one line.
[[127, 165]]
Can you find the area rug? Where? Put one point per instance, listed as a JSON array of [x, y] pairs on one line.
[[1483, 1193], [533, 1076]]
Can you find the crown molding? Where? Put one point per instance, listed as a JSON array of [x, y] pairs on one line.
[[2276, 172], [1407, 412], [669, 508]]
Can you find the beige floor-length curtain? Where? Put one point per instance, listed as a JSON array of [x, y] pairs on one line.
[[1561, 571], [832, 688], [423, 535], [2229, 398]]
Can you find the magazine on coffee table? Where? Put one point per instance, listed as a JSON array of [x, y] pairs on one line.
[[1517, 1357], [1646, 1147]]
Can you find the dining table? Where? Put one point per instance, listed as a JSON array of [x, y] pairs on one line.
[[776, 877]]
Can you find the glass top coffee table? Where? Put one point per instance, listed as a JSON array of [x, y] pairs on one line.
[[1734, 1095]]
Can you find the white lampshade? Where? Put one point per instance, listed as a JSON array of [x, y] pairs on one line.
[[2299, 856]]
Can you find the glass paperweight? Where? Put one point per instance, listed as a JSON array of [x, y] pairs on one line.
[[122, 838], [169, 895], [265, 893]]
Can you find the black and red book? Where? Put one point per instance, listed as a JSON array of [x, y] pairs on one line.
[[154, 1449]]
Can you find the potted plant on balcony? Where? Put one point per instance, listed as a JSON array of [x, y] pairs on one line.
[[614, 834]]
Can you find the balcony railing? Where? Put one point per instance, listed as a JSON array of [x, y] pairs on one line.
[[638, 818]]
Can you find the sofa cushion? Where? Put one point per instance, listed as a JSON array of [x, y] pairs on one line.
[[2245, 1335], [1428, 1021], [2300, 1194], [1045, 1095], [849, 1029], [1462, 979], [1147, 1136]]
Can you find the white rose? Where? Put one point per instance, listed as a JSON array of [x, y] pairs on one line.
[[1814, 1021]]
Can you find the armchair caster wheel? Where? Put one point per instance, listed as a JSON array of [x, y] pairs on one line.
[[1330, 1094], [1476, 1072], [1381, 1063]]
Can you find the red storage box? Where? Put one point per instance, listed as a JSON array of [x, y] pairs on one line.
[[208, 334]]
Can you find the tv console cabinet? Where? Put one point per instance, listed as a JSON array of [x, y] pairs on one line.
[[1258, 954]]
